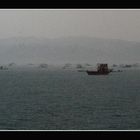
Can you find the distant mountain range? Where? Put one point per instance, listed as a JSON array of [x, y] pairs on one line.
[[68, 50]]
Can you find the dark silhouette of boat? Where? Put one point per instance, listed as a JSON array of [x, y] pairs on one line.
[[102, 69], [3, 68]]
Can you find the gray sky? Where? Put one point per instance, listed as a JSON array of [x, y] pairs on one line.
[[117, 24]]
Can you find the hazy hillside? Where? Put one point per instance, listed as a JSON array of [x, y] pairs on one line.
[[70, 49]]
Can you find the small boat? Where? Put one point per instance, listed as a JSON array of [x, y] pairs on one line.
[[3, 68], [102, 69]]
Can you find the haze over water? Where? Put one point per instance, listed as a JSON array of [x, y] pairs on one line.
[[69, 36]]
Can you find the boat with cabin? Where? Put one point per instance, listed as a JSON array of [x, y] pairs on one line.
[[102, 69]]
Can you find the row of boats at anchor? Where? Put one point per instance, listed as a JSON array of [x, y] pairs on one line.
[[102, 69]]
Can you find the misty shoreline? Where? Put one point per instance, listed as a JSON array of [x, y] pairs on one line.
[[66, 67], [22, 50]]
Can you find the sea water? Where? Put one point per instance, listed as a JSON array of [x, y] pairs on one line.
[[69, 100]]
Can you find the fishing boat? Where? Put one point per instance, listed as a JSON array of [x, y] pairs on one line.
[[102, 69]]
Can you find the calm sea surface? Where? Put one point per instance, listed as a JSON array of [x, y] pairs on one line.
[[69, 100]]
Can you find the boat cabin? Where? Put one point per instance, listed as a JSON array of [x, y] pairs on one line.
[[102, 67]]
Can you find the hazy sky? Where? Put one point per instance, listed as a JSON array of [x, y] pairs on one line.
[[118, 24]]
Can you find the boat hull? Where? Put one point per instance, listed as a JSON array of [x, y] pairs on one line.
[[97, 73]]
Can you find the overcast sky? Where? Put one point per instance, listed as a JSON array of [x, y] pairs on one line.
[[117, 24]]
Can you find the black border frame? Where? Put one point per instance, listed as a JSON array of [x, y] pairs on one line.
[[51, 4], [72, 4]]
